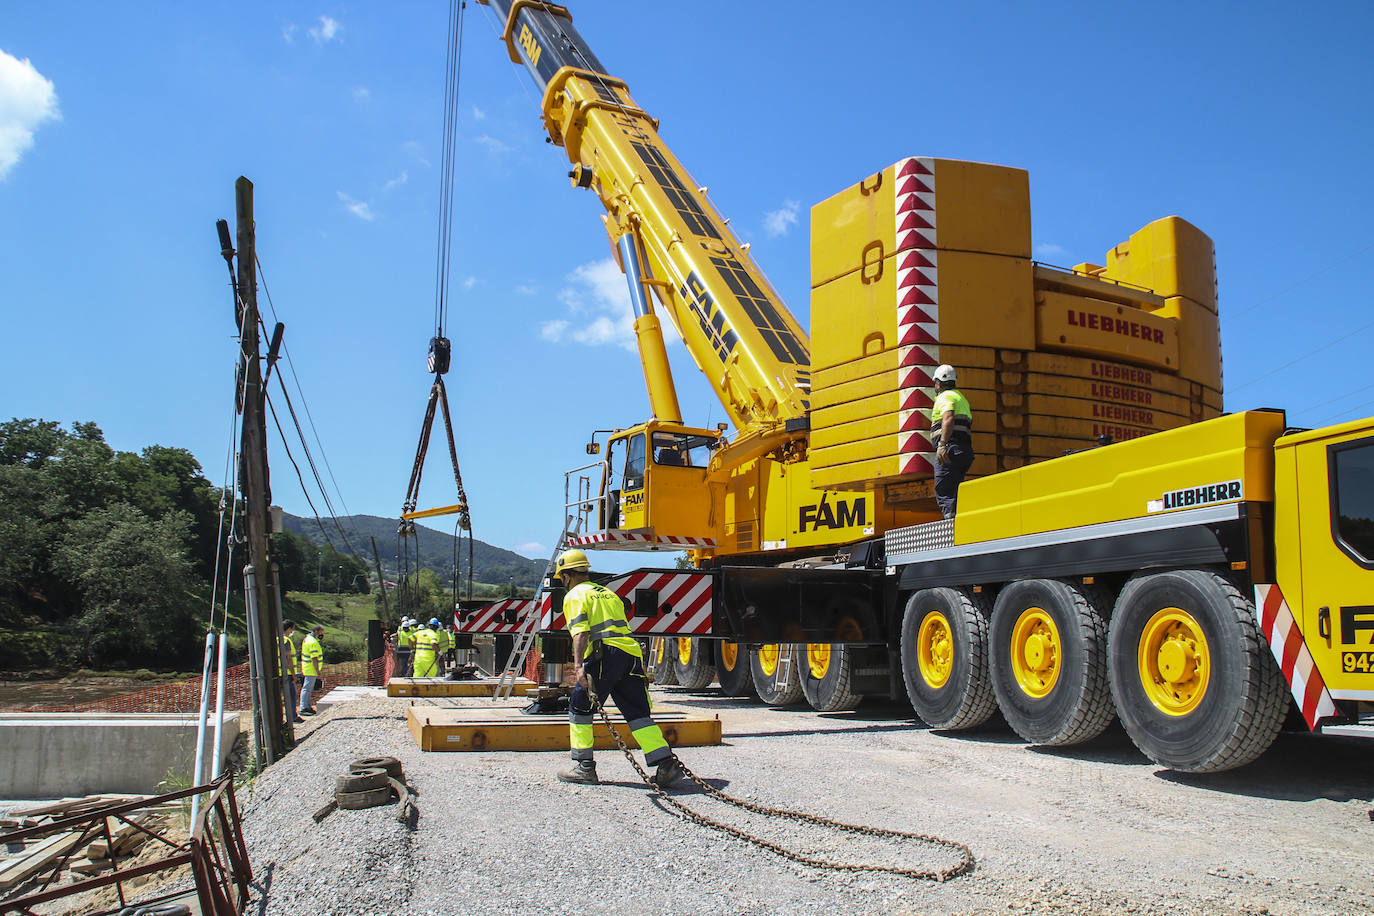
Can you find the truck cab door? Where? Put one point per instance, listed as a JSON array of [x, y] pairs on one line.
[[1335, 522]]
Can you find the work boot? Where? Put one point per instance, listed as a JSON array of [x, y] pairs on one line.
[[583, 773], [669, 772]]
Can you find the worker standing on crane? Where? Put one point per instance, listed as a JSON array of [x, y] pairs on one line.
[[427, 650], [606, 660], [951, 433]]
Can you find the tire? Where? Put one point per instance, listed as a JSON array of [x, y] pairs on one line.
[[732, 670], [827, 674], [945, 658], [362, 781], [353, 801], [390, 764], [763, 668], [1194, 682], [1049, 661], [659, 655], [692, 664]]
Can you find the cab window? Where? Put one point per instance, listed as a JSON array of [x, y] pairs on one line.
[[1353, 499], [682, 450], [634, 463]]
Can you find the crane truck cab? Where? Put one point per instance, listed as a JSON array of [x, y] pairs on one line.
[[651, 482]]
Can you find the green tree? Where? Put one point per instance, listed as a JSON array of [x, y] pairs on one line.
[[136, 584]]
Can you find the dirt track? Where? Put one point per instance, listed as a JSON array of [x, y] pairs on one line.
[[1093, 830]]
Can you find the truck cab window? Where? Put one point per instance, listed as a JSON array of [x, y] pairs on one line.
[[1354, 499], [634, 463], [681, 450]]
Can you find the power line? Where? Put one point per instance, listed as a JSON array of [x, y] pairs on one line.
[[1326, 346]]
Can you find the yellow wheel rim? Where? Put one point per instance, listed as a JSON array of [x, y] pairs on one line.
[[768, 658], [729, 655], [1035, 652], [684, 650], [1175, 664], [935, 649], [660, 650], [818, 658]]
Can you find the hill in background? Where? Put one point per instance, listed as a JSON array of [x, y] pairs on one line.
[[493, 565]]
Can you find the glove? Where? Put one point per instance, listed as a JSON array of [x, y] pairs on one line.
[[942, 454]]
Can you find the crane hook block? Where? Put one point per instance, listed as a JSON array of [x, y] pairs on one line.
[[439, 351]]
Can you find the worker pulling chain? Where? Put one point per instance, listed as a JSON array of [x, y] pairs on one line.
[[607, 660]]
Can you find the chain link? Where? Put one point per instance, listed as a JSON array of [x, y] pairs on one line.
[[964, 865]]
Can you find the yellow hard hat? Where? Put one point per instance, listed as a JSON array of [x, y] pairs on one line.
[[572, 559]]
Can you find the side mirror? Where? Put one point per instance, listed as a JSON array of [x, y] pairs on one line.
[[593, 448]]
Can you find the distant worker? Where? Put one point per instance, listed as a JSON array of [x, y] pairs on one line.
[[405, 647], [291, 667], [607, 659], [427, 650], [445, 642], [312, 663], [951, 433]]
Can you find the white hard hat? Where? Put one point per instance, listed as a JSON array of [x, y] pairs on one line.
[[944, 374]]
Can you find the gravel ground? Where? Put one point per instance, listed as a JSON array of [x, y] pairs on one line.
[[1097, 830]]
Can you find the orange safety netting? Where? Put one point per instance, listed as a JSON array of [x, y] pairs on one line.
[[184, 696]]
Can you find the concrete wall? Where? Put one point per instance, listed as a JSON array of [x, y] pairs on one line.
[[47, 755]]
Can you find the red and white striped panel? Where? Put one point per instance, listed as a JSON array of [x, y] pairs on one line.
[[492, 617], [685, 598], [918, 312], [619, 539], [1285, 641]]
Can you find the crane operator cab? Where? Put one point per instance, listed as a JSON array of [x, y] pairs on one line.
[[651, 484]]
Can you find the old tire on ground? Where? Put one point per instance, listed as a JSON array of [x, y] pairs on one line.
[[945, 658], [763, 668], [660, 656], [390, 764], [692, 665], [826, 675], [1049, 661], [353, 801], [732, 670], [362, 780], [1194, 682]]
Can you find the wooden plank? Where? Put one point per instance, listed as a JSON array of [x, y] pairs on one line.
[[36, 858]]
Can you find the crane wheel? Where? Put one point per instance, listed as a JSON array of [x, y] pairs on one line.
[[658, 654], [692, 664], [827, 676], [1049, 661], [1193, 680], [732, 670], [764, 662], [945, 658]]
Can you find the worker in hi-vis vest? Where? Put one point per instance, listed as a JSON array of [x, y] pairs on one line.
[[951, 434], [607, 659], [427, 650], [445, 643], [290, 667], [312, 663], [405, 647]]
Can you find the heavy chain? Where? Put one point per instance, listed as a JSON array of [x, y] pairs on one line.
[[965, 855]]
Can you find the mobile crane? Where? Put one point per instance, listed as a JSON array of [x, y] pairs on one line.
[[1186, 579]]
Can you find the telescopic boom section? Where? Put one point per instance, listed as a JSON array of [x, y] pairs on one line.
[[739, 332]]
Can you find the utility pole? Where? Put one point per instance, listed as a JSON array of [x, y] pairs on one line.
[[257, 490]]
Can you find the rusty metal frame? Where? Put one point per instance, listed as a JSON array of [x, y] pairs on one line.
[[215, 851]]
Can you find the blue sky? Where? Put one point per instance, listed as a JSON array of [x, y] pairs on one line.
[[123, 128]]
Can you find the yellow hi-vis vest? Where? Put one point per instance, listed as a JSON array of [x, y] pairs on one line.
[[597, 611], [288, 655], [950, 399], [426, 645], [312, 656], [405, 638]]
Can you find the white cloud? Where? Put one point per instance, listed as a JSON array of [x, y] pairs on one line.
[[325, 31], [599, 304], [469, 282], [531, 548], [397, 181], [359, 208], [415, 149], [362, 94], [493, 145], [27, 100], [288, 33], [777, 222], [1049, 250], [526, 289], [478, 114]]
